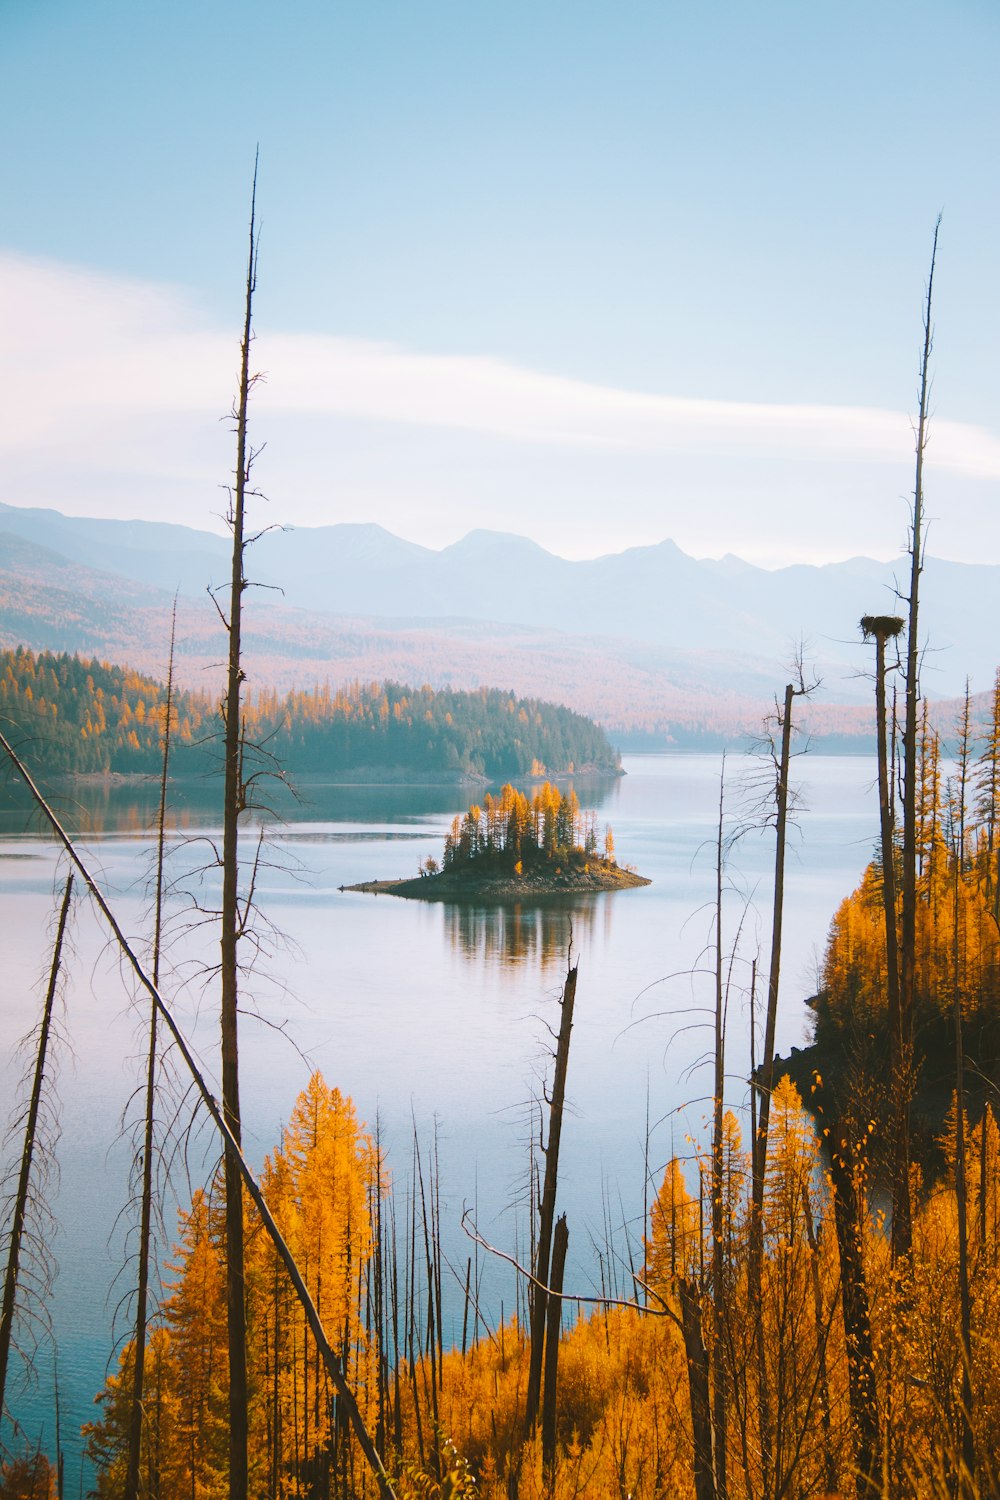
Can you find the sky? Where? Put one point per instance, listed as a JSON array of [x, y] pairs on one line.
[[599, 274]]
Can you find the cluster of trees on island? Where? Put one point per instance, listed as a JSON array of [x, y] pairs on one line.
[[513, 832], [90, 717]]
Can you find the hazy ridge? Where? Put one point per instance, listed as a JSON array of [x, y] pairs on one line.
[[650, 642]]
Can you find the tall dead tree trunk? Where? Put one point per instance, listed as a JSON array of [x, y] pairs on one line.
[[774, 972], [758, 1151], [718, 1225], [829, 1454], [234, 803], [845, 1161], [763, 1085], [698, 1386], [28, 1152], [961, 1181], [902, 1229], [553, 1324], [883, 628], [146, 1209], [539, 1299]]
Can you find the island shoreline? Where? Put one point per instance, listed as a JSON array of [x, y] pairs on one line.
[[502, 888]]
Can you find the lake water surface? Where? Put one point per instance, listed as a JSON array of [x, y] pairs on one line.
[[424, 1013]]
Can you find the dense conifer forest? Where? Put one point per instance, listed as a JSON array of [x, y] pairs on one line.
[[515, 847], [89, 717]]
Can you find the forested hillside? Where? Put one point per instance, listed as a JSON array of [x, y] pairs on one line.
[[76, 716], [633, 1374], [957, 950]]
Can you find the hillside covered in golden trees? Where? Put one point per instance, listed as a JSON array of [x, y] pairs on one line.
[[957, 930], [633, 1374], [88, 717]]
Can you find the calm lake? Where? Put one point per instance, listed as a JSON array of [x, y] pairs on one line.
[[429, 1016]]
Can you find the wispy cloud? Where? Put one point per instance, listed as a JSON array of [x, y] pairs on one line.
[[83, 353], [111, 394], [363, 379]]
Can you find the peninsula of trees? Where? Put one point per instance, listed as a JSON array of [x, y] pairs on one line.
[[88, 717], [512, 846]]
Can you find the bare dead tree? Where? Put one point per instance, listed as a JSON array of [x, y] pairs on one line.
[[21, 1196], [698, 1385], [848, 1153], [552, 1328], [762, 1085], [902, 1236], [958, 817], [233, 923], [781, 760], [148, 1144], [547, 1204], [719, 1402], [881, 629], [822, 1326]]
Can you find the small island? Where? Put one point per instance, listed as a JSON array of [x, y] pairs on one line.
[[512, 847]]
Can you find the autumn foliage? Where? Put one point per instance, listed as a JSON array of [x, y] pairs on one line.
[[453, 1425], [957, 951], [88, 716], [321, 1184], [515, 832]]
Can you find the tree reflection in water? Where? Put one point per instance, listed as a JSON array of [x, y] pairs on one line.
[[514, 933]]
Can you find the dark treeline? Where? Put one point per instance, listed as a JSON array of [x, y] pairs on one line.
[[89, 717]]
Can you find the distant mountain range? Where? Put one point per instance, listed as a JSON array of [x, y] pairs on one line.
[[646, 640]]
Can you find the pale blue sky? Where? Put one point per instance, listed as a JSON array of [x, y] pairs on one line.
[[654, 204]]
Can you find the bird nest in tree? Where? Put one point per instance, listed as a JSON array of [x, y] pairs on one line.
[[885, 626]]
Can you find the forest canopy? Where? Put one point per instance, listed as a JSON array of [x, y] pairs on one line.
[[77, 717]]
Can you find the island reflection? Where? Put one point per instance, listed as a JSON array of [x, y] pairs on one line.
[[513, 933]]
